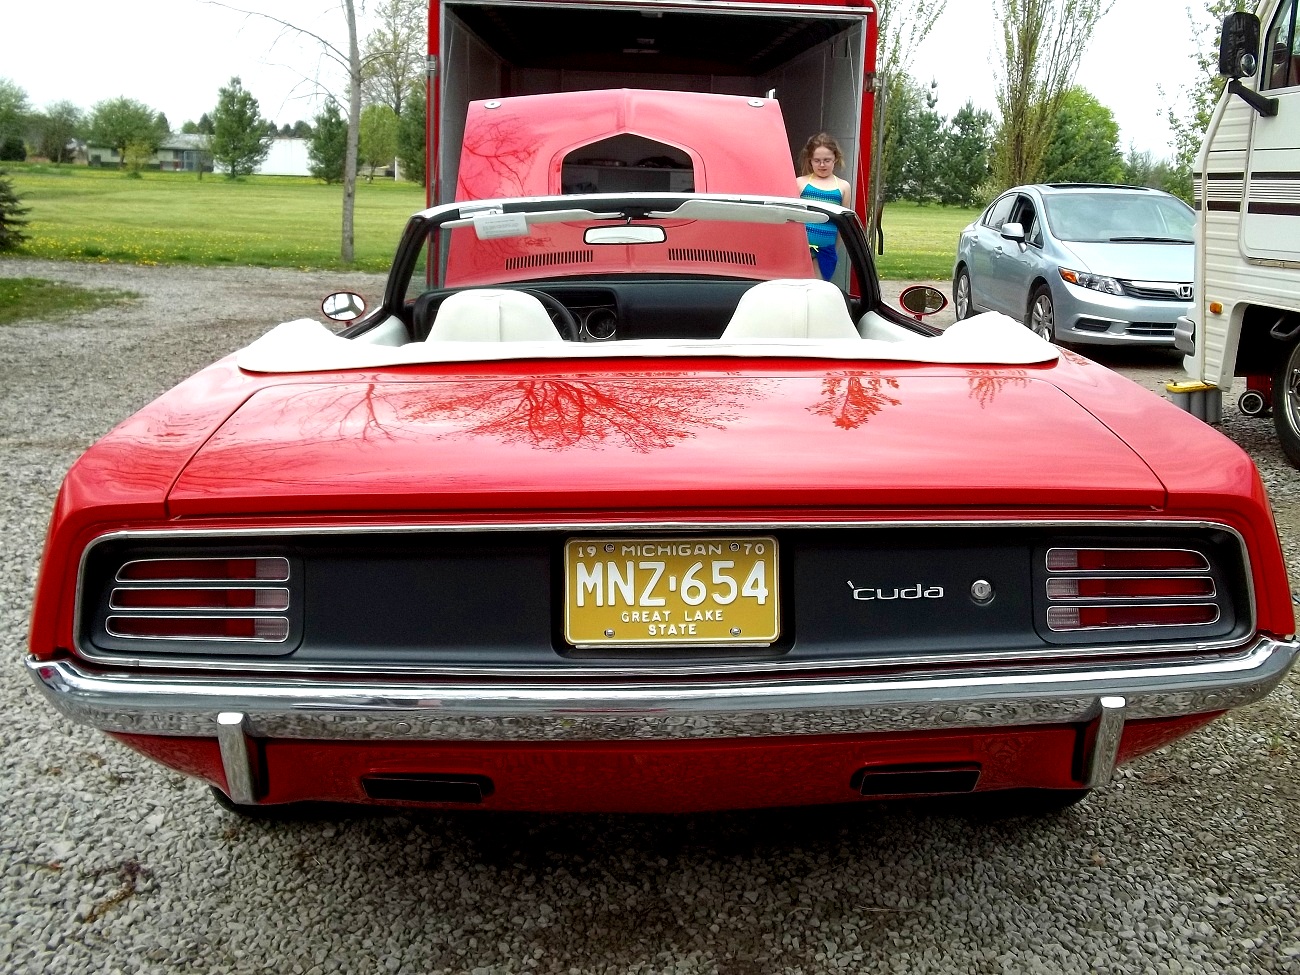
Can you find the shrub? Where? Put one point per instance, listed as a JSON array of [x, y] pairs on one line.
[[13, 150], [11, 216]]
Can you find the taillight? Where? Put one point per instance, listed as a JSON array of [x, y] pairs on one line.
[[191, 598], [274, 569], [1121, 588], [1138, 588], [1124, 559], [222, 600], [1063, 618]]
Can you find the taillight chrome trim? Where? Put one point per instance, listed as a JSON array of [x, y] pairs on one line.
[[1080, 607], [182, 638], [1061, 596], [1204, 563], [224, 604], [280, 605], [282, 576]]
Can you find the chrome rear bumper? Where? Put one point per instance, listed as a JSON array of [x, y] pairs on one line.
[[236, 711], [325, 708]]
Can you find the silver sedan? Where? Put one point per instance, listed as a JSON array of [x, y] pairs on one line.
[[1081, 263]]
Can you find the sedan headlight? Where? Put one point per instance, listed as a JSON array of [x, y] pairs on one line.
[[1095, 282]]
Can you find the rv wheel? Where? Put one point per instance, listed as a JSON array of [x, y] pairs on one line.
[[1252, 403], [1286, 402]]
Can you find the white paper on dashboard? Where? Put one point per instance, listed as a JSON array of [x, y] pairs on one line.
[[490, 226]]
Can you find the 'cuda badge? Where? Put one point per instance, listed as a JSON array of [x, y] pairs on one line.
[[868, 594]]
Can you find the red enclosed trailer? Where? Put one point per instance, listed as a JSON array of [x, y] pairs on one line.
[[816, 60]]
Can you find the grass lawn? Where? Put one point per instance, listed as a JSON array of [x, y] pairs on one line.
[[36, 298], [921, 241], [78, 213]]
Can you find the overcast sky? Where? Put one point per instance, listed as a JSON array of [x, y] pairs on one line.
[[174, 55]]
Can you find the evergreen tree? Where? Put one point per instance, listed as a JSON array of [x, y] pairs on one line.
[[329, 145], [239, 139], [204, 126], [913, 140], [965, 167], [1139, 167], [411, 136], [11, 216]]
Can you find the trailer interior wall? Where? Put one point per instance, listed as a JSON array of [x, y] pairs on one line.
[[821, 90], [499, 50], [470, 70]]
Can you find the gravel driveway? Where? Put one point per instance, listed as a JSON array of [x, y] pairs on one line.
[[1189, 863]]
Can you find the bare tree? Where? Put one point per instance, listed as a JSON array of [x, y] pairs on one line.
[[1043, 42], [350, 62], [394, 53], [903, 26], [354, 131], [1189, 116]]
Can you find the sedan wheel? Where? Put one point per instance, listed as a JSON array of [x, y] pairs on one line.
[[1041, 316], [1286, 402], [961, 295]]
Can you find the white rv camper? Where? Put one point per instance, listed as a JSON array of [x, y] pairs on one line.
[[1248, 229]]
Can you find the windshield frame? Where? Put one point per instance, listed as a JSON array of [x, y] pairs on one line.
[[866, 286]]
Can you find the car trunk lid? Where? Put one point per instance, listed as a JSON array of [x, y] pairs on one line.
[[846, 438]]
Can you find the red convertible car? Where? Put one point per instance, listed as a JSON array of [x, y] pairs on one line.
[[610, 504]]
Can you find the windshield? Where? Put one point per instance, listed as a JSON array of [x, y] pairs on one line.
[[1119, 217], [622, 236]]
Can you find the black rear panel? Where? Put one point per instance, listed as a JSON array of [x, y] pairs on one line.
[[496, 598]]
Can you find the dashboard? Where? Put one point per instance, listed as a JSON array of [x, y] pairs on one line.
[[606, 311]]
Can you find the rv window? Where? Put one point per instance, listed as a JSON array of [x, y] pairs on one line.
[[1281, 54]]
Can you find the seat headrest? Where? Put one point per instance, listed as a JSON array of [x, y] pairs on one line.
[[492, 315], [791, 308]]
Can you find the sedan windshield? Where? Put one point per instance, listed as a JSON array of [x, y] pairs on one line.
[[1119, 218]]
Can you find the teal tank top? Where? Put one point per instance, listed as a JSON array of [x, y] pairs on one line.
[[821, 234]]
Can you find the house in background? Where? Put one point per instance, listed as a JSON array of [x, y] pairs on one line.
[[183, 152], [179, 152]]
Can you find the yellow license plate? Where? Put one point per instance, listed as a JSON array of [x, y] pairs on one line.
[[628, 591]]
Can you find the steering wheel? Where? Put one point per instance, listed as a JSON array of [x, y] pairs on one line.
[[567, 326]]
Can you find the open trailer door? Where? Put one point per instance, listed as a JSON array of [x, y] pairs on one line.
[[816, 60]]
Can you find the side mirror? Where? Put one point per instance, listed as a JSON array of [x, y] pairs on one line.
[[922, 300], [1239, 58], [343, 306], [1013, 231], [1239, 46]]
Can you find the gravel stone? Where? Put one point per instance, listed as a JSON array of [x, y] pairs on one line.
[[110, 864]]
